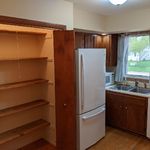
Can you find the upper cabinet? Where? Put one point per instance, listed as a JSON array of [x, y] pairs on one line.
[[89, 40], [79, 40], [110, 42], [84, 40]]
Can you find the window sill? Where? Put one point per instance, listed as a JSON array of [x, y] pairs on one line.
[[138, 78]]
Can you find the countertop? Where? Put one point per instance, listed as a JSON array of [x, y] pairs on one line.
[[126, 92]]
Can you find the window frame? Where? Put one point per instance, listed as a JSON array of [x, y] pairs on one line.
[[138, 76]]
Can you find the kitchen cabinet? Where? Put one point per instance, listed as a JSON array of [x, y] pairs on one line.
[[84, 40], [79, 40], [89, 40], [110, 42], [126, 112]]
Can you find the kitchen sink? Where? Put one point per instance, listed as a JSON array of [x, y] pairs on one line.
[[140, 90], [122, 87], [131, 89]]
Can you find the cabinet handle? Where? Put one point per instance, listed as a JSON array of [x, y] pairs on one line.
[[65, 104], [126, 108]]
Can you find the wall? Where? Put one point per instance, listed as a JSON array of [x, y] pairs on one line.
[[88, 20], [53, 11], [131, 21]]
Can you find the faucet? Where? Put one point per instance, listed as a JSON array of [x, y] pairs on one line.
[[136, 83], [149, 77]]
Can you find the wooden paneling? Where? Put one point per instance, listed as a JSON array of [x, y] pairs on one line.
[[65, 90], [79, 40], [127, 112], [89, 40]]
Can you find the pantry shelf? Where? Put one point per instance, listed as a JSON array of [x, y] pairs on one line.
[[21, 84], [22, 59], [22, 107], [40, 144], [22, 131]]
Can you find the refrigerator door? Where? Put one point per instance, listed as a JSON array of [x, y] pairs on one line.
[[90, 69], [90, 128]]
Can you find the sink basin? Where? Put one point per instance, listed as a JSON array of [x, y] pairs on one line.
[[131, 89], [122, 87], [140, 90]]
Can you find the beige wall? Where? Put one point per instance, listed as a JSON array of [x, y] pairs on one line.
[[88, 20], [131, 21], [53, 11], [62, 12]]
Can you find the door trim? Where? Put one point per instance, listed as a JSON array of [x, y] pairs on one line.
[[29, 23]]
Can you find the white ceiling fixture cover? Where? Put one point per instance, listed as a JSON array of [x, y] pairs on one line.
[[117, 2]]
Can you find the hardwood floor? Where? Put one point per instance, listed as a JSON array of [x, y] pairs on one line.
[[39, 145], [119, 140]]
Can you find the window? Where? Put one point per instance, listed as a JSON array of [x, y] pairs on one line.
[[139, 55]]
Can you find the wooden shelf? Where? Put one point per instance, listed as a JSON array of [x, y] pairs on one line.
[[22, 59], [21, 84], [22, 29], [21, 131], [40, 144], [22, 107]]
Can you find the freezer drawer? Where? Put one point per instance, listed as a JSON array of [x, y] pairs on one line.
[[90, 128]]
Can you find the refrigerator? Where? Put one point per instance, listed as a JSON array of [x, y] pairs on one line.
[[90, 84]]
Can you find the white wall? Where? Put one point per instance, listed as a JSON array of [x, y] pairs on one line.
[[52, 11], [131, 21], [88, 20]]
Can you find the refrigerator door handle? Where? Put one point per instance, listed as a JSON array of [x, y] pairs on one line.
[[82, 82], [94, 115]]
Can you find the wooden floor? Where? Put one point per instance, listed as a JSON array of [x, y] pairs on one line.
[[120, 140], [39, 145]]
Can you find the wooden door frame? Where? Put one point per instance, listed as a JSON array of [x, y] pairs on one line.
[[29, 23]]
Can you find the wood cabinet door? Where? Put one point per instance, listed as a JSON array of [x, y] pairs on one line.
[[115, 112], [79, 40], [89, 40], [113, 50], [106, 44], [136, 109], [65, 90]]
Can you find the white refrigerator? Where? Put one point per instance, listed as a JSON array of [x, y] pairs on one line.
[[90, 74]]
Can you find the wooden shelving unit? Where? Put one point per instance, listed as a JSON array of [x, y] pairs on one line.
[[40, 144], [22, 107], [26, 85], [21, 84], [21, 29], [22, 59], [21, 131]]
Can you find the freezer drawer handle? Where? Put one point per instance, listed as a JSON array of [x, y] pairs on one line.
[[94, 115]]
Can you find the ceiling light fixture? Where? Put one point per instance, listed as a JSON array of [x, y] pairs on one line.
[[117, 2]]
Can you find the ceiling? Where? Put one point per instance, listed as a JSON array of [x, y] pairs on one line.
[[104, 7]]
